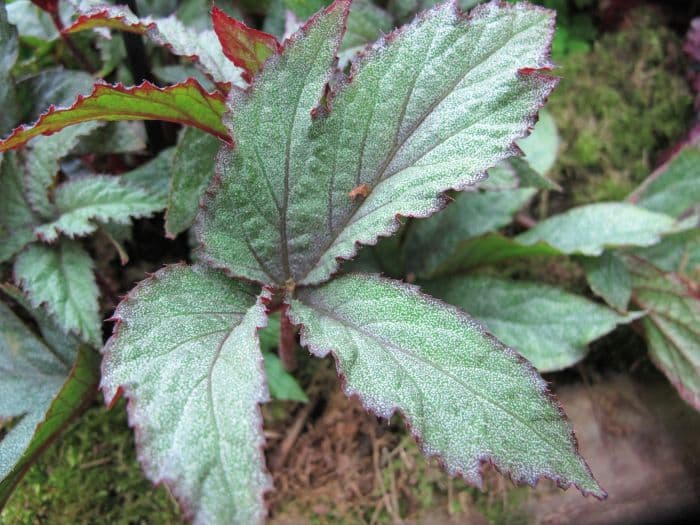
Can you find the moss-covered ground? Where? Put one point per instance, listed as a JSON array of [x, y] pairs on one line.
[[619, 106]]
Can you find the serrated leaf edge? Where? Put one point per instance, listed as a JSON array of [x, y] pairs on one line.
[[441, 199], [22, 134], [485, 460], [111, 396]]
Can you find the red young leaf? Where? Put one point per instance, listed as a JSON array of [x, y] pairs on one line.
[[246, 47], [185, 103]]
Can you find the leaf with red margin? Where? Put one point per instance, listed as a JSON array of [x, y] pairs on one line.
[[203, 48], [185, 351], [185, 103], [45, 384], [467, 398], [672, 327], [246, 47], [426, 109]]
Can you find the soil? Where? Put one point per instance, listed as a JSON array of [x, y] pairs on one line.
[[343, 465]]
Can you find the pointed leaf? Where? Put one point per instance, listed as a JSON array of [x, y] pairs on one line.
[[547, 325], [242, 224], [80, 203], [672, 326], [52, 415], [61, 278], [246, 47], [203, 48], [193, 169], [467, 398], [17, 220], [185, 352], [42, 164], [40, 387], [609, 278], [673, 188], [430, 107], [431, 242], [186, 103], [589, 229]]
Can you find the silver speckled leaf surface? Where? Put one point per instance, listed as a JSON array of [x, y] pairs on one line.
[[192, 171], [589, 229], [61, 278], [186, 353], [429, 107], [547, 325], [80, 203], [243, 226], [467, 397], [42, 157]]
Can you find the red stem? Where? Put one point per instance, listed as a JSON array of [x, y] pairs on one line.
[[287, 346], [77, 53]]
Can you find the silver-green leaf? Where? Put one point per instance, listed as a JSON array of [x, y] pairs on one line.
[[244, 224], [40, 388], [589, 229], [468, 398], [185, 351], [673, 188], [426, 109], [193, 169], [61, 278], [672, 326], [81, 203], [42, 158], [547, 325]]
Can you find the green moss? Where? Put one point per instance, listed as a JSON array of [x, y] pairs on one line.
[[91, 476], [618, 107]]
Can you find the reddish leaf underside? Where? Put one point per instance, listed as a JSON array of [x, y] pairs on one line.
[[185, 103], [246, 47]]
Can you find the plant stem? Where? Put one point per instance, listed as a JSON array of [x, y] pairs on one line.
[[77, 52], [524, 220], [287, 346], [141, 70]]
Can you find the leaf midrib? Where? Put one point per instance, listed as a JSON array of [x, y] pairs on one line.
[[399, 143], [332, 315]]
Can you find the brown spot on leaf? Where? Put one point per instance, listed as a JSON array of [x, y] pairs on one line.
[[359, 191]]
